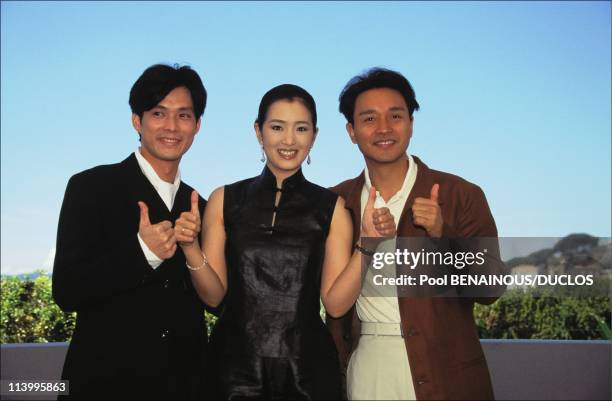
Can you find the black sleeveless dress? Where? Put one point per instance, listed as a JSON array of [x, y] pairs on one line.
[[270, 341]]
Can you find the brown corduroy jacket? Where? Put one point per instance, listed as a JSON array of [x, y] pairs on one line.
[[444, 352]]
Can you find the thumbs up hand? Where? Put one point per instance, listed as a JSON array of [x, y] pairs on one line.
[[158, 237], [188, 225], [384, 222], [426, 213], [377, 222]]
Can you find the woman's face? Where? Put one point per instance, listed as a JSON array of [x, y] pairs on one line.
[[286, 136]]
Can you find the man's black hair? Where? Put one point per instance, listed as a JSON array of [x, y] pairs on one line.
[[372, 79], [160, 79]]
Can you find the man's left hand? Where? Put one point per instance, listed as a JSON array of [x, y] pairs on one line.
[[426, 213]]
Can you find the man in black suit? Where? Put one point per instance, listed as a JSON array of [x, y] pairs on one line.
[[140, 330]]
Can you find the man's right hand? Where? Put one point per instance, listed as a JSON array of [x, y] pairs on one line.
[[158, 237]]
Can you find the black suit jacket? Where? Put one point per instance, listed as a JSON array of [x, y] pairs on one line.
[[140, 333]]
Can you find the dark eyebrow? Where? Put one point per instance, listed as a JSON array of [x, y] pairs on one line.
[[276, 120], [371, 111], [159, 106]]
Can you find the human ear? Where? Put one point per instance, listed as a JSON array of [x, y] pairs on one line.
[[351, 132], [314, 137], [136, 122], [258, 133], [410, 126], [198, 124]]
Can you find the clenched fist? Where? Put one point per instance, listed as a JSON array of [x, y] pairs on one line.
[[158, 237], [427, 213], [188, 225]]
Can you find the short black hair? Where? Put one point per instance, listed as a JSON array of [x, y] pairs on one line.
[[371, 79], [160, 79], [286, 92]]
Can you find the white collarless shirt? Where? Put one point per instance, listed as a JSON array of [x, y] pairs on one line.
[[372, 306], [165, 190]]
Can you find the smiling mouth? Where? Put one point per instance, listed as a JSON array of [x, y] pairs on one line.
[[385, 143], [287, 154], [169, 141]]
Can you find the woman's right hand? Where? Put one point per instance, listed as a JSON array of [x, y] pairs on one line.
[[377, 222], [187, 227]]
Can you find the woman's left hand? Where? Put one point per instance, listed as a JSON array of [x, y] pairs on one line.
[[188, 225]]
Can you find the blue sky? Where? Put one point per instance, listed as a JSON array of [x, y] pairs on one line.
[[515, 97]]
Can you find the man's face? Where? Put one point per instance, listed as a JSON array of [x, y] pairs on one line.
[[167, 130], [382, 126]]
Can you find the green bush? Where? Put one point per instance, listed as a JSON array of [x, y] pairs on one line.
[[538, 313], [28, 314], [210, 321]]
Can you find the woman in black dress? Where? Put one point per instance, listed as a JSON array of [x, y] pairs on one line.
[[273, 246]]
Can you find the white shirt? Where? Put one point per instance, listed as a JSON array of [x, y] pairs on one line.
[[371, 306], [165, 190]]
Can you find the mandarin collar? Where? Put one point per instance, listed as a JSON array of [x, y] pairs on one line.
[[267, 180]]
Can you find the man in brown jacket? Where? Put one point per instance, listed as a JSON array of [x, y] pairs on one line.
[[409, 347]]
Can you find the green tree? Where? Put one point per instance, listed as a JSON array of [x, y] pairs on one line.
[[541, 313]]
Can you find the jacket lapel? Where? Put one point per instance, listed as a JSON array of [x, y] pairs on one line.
[[182, 201], [405, 227], [141, 189], [353, 204], [421, 189]]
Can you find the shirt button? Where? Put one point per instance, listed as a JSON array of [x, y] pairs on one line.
[[412, 332], [165, 334], [421, 382], [166, 283]]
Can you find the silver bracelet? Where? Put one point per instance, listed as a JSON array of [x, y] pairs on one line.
[[204, 263]]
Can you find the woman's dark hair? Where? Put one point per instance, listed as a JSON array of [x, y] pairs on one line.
[[375, 78], [160, 79], [286, 92]]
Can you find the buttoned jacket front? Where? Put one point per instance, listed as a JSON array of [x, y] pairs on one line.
[[140, 332]]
